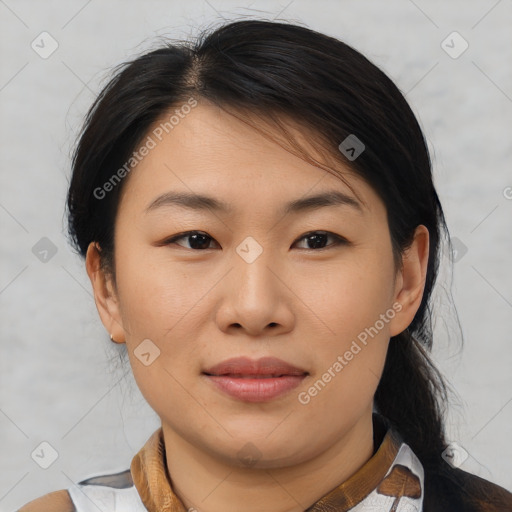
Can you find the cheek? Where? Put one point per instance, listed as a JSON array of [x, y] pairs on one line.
[[155, 296], [347, 374], [356, 312], [349, 297], [160, 304]]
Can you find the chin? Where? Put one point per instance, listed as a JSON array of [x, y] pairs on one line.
[[263, 452]]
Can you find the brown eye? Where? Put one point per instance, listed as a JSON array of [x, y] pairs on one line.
[[317, 239], [197, 240]]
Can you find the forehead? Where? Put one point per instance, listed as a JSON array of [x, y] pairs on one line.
[[211, 154]]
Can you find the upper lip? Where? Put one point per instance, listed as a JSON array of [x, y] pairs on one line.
[[270, 366]]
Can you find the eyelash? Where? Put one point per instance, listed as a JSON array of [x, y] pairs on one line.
[[338, 239]]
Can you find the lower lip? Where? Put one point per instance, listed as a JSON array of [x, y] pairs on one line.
[[256, 390]]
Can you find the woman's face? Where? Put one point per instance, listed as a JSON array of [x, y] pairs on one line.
[[313, 285]]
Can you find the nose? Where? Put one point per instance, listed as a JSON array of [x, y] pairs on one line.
[[255, 295]]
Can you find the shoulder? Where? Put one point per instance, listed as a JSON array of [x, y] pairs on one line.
[[57, 501], [112, 492], [454, 489]]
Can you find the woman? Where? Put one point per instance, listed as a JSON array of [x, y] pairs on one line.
[[260, 227]]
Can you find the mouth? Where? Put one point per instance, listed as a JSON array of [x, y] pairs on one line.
[[249, 376], [259, 380], [247, 367]]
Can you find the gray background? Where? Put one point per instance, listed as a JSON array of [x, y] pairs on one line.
[[59, 381]]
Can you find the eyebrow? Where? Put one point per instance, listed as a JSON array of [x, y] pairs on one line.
[[203, 202]]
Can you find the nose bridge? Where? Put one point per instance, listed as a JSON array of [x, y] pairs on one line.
[[255, 269], [252, 261]]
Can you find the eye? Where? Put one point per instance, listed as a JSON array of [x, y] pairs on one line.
[[317, 238], [199, 240]]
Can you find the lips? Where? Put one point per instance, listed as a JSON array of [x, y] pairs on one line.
[[259, 380], [244, 367]]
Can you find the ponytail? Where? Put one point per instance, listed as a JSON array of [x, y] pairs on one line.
[[411, 395]]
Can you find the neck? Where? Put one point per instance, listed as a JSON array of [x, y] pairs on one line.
[[206, 483]]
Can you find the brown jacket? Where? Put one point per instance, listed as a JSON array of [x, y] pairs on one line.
[[447, 490]]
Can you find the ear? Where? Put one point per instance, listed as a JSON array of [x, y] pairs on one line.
[[105, 296], [410, 281]]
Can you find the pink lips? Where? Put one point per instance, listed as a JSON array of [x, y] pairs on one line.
[[255, 380]]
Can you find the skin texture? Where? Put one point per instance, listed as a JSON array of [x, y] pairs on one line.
[[301, 304]]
